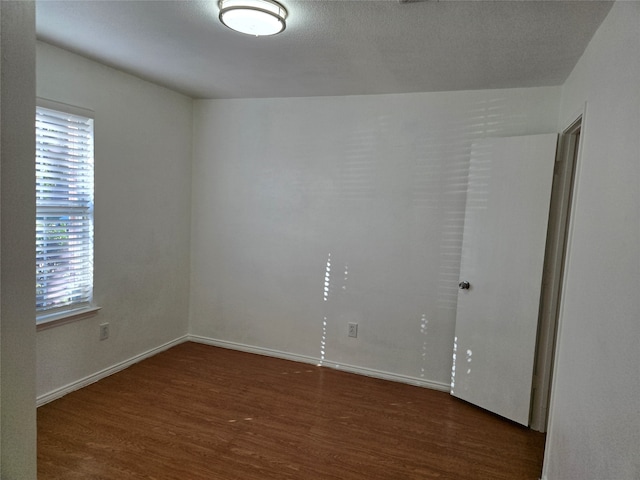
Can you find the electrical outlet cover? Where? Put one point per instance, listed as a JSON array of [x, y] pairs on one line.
[[104, 331], [353, 330]]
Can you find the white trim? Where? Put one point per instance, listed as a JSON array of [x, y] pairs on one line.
[[577, 114], [55, 319], [267, 352], [65, 107], [393, 377], [368, 372], [549, 447], [83, 382]]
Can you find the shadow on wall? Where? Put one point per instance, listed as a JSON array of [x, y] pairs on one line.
[[419, 191], [325, 212]]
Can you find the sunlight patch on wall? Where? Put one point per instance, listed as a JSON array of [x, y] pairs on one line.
[[325, 297], [453, 366], [424, 330], [327, 279], [346, 277]]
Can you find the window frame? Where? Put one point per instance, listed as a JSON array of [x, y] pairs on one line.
[[76, 310]]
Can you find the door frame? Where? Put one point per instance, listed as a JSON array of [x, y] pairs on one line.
[[556, 254]]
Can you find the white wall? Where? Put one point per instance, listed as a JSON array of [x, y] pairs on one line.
[[594, 430], [376, 184], [17, 213], [142, 217]]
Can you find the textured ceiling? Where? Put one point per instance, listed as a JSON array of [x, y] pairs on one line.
[[331, 47]]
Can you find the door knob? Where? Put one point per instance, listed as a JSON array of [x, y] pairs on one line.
[[464, 285]]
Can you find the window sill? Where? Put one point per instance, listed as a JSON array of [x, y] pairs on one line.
[[60, 318]]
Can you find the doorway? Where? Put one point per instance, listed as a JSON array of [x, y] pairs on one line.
[[553, 272]]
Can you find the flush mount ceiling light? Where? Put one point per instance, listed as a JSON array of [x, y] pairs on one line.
[[253, 17]]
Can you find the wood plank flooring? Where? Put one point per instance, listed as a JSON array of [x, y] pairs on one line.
[[200, 412]]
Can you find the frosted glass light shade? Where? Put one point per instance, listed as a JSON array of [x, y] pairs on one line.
[[253, 17]]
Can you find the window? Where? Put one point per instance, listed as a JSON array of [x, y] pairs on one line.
[[64, 213]]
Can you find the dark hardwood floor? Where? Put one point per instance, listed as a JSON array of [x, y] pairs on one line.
[[200, 412]]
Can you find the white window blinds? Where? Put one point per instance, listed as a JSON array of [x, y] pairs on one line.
[[64, 210]]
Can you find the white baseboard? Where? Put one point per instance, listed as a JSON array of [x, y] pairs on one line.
[[62, 391], [393, 377], [369, 372], [267, 352]]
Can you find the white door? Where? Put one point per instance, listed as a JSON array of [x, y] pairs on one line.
[[505, 230]]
